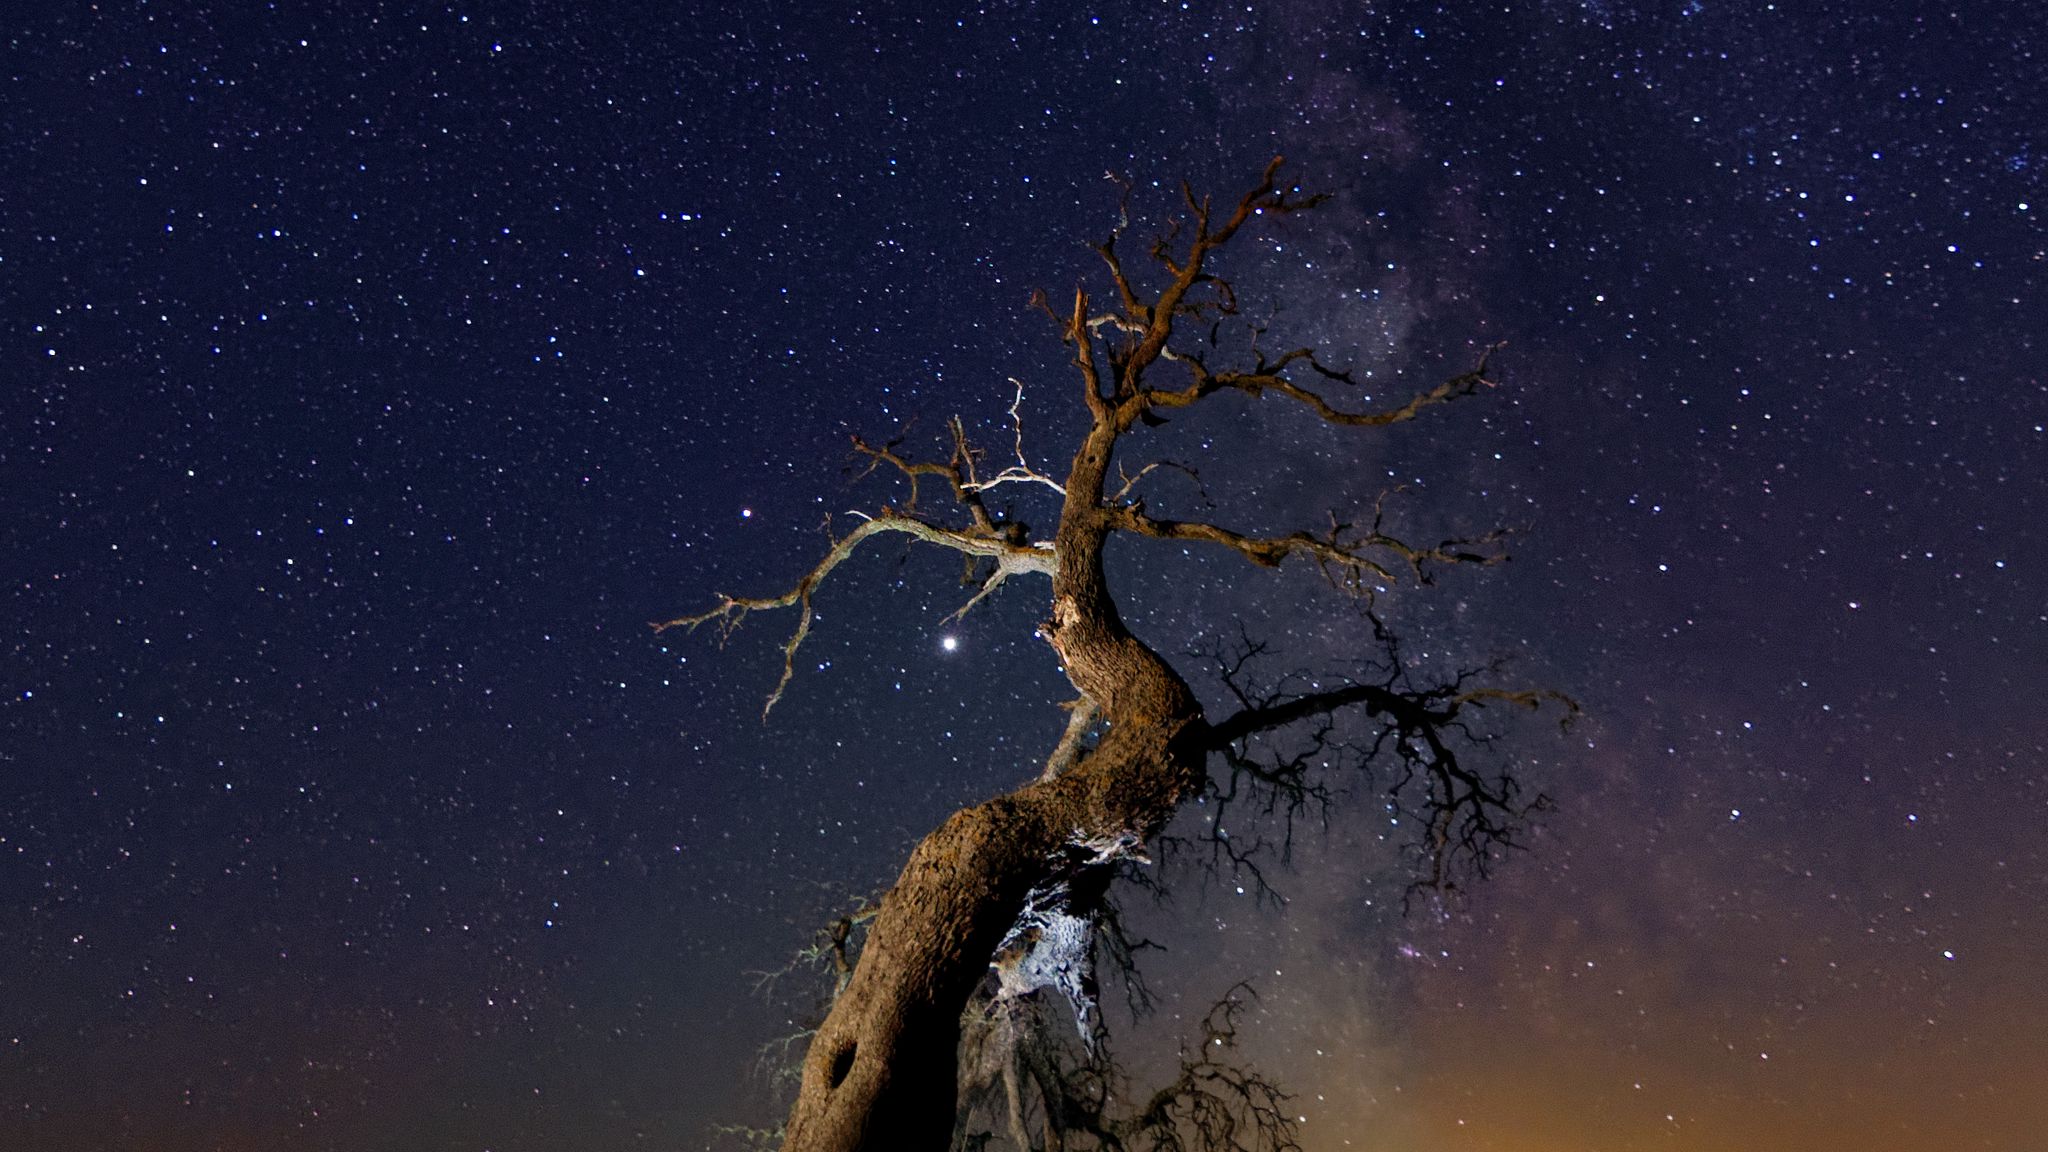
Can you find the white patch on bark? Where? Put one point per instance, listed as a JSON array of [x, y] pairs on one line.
[[1050, 946]]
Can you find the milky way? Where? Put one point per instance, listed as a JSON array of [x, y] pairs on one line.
[[373, 378]]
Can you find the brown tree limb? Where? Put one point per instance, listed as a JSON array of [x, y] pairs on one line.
[[1271, 377], [1136, 314], [957, 472], [1265, 198], [1341, 552]]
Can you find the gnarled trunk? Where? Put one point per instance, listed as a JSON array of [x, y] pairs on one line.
[[881, 1072]]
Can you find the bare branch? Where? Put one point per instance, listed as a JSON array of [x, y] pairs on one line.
[[1135, 312], [1340, 556], [1342, 552], [1464, 815], [1022, 471], [1417, 709], [957, 472], [1131, 479], [1214, 1105], [1022, 1080], [1189, 272], [1074, 330], [1006, 565], [732, 611], [1271, 376]]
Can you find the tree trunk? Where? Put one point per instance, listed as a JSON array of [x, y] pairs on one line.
[[882, 1071]]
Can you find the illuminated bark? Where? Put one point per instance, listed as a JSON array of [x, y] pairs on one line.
[[881, 1071]]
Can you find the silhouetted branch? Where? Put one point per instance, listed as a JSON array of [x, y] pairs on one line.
[[1213, 1105], [1030, 1089], [1465, 815]]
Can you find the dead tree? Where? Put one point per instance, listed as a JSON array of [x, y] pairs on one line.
[[982, 889]]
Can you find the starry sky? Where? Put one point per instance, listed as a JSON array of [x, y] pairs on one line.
[[373, 373]]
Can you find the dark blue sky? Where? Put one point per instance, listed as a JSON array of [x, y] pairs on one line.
[[374, 376]]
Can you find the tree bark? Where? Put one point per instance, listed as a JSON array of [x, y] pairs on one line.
[[882, 1071]]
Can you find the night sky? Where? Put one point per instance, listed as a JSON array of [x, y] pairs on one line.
[[372, 378]]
